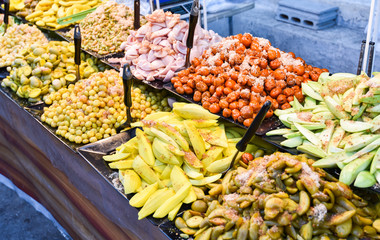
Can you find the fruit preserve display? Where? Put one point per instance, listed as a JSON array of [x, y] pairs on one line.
[[237, 75]]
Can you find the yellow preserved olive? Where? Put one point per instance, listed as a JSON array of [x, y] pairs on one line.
[[35, 92], [194, 221], [199, 206], [180, 223], [38, 51], [70, 77]]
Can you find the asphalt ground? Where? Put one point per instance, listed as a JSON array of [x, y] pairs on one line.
[[21, 217]]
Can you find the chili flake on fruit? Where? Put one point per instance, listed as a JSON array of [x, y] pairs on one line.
[[237, 75]]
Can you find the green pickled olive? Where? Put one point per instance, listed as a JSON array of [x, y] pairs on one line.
[[304, 203], [279, 183], [239, 222], [225, 182], [184, 235], [370, 212], [361, 212], [331, 196], [376, 225], [328, 206], [205, 223], [359, 203], [369, 230], [242, 164], [306, 231], [341, 217], [291, 190], [285, 176], [188, 231], [271, 213], [271, 223], [229, 225], [291, 231], [216, 232], [290, 205], [308, 183], [194, 221], [357, 231], [321, 196], [245, 204], [254, 226], [344, 229], [345, 203], [320, 231], [324, 237], [300, 185], [216, 190], [280, 195], [218, 212], [274, 202], [199, 206], [316, 202], [291, 163], [186, 215], [201, 230], [296, 168], [279, 164], [243, 198], [243, 231], [275, 232], [180, 223], [228, 235], [288, 182], [232, 188], [246, 190], [218, 221], [263, 229], [362, 220], [338, 209], [284, 219], [259, 153], [199, 192], [212, 207]]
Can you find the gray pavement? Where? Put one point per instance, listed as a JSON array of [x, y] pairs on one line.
[[19, 218]]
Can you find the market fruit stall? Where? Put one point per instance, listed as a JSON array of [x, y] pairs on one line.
[[183, 170]]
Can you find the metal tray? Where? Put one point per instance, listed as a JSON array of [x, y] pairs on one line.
[[267, 125], [94, 152]]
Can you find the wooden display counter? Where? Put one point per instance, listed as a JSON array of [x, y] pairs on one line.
[[80, 199]]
